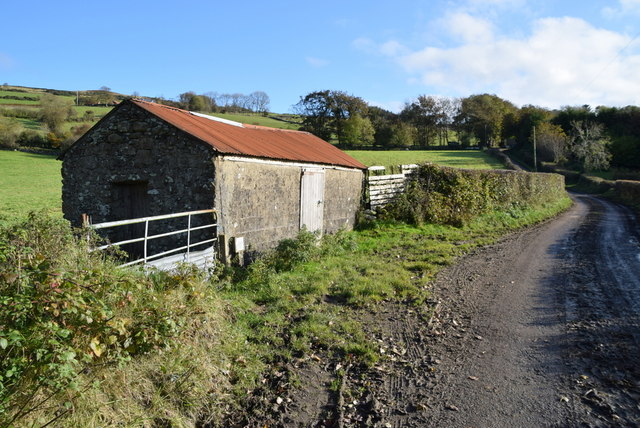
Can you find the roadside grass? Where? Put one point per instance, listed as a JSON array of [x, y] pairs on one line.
[[468, 159], [29, 182], [241, 328]]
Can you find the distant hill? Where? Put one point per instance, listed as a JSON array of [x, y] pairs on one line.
[[22, 125]]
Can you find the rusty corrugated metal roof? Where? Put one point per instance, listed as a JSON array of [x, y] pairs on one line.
[[251, 140]]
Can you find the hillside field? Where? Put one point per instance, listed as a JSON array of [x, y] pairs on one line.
[[260, 120], [467, 159], [29, 182]]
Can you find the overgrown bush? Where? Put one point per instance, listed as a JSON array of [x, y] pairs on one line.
[[82, 340], [9, 130], [65, 311], [31, 138], [455, 196]]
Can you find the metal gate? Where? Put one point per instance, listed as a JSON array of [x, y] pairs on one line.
[[166, 259]]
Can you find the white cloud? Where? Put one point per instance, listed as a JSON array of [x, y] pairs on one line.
[[564, 61], [316, 62], [393, 48]]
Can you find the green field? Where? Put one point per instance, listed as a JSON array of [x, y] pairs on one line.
[[29, 182], [30, 124], [469, 159], [98, 111], [21, 95], [256, 119]]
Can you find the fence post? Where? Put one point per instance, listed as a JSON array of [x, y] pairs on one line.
[[86, 222], [146, 234], [188, 237]]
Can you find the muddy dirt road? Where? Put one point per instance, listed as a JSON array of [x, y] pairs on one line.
[[541, 329]]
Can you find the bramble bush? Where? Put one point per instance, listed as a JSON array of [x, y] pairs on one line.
[[64, 310]]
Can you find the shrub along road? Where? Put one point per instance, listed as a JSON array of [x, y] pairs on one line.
[[541, 329]]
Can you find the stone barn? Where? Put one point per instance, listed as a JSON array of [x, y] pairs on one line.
[[146, 159]]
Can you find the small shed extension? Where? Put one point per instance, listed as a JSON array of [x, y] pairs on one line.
[[145, 159]]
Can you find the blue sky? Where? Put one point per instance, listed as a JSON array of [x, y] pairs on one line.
[[549, 53]]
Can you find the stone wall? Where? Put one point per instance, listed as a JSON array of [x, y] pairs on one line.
[[342, 198], [132, 149], [260, 202]]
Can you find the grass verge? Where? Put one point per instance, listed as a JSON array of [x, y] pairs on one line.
[[236, 331]]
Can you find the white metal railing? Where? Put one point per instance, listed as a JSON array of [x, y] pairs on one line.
[[146, 238]]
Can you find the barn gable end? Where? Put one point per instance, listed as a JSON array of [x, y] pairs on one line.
[[133, 146]]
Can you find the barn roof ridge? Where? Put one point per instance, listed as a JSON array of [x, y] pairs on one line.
[[252, 140]]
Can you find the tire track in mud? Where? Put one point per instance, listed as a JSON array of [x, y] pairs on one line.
[[540, 329], [602, 299]]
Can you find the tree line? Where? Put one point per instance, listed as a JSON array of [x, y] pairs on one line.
[[587, 138], [215, 102]]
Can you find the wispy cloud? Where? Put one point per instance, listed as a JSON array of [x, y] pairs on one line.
[[496, 2], [316, 62], [624, 7], [630, 5], [366, 45], [5, 62]]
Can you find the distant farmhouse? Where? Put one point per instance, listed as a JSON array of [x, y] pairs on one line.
[[145, 159]]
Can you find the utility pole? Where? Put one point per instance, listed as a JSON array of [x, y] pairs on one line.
[[535, 157]]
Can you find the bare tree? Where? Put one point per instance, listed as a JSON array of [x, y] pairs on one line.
[[238, 101], [259, 101]]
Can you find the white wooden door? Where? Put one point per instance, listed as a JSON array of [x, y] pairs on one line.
[[312, 199]]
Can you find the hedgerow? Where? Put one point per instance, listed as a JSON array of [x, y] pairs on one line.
[[455, 196]]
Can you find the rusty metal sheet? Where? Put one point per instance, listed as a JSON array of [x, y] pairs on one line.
[[251, 140]]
